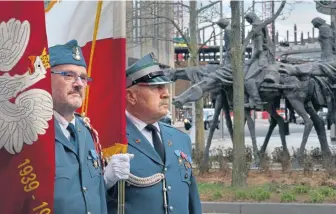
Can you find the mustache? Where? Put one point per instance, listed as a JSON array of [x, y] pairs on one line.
[[164, 102], [76, 91]]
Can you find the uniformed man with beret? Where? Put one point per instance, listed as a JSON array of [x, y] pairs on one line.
[[162, 179], [79, 182]]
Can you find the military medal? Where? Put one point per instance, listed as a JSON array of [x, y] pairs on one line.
[[183, 155], [189, 160], [180, 160], [95, 158], [95, 164]]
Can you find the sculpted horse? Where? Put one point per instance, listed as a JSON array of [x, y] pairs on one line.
[[207, 81], [298, 88]]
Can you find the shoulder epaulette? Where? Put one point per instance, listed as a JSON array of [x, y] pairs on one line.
[[78, 115], [84, 119], [166, 124], [170, 126]]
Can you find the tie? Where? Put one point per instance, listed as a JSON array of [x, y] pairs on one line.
[[156, 141], [73, 134]]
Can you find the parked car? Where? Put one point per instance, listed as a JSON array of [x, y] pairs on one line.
[[209, 121]]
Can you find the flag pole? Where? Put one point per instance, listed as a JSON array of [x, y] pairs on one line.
[[94, 38], [119, 12], [121, 197], [121, 184]]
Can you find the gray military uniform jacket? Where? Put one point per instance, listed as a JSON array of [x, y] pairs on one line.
[[79, 185], [182, 194]]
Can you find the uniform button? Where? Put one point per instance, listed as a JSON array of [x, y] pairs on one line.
[[169, 187], [171, 208], [165, 169], [88, 212], [84, 189], [186, 176]]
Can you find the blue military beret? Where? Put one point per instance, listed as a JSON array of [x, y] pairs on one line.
[[69, 53], [146, 71]]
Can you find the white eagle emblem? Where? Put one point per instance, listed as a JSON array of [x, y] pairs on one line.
[[22, 120]]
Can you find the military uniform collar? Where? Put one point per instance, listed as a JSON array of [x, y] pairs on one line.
[[139, 123], [62, 121]]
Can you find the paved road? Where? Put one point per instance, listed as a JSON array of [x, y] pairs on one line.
[[267, 208], [293, 140], [261, 129]]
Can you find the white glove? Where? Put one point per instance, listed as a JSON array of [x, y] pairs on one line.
[[118, 168]]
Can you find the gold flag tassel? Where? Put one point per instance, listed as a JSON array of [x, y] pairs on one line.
[[95, 33]]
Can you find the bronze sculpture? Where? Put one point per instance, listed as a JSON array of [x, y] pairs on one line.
[[307, 87]]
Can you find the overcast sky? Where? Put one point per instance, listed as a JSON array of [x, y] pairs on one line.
[[295, 12]]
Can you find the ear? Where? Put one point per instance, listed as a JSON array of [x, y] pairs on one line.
[[131, 96]]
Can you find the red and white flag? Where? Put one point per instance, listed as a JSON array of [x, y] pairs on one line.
[[26, 123], [99, 27], [27, 136]]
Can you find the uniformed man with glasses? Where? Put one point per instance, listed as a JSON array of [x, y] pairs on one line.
[[79, 181]]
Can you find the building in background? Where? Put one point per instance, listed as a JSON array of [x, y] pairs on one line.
[[148, 31]]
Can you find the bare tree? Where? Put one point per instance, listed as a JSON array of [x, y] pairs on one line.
[[239, 172], [262, 25], [151, 13], [194, 50]]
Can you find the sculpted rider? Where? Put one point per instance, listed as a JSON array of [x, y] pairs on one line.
[[261, 58], [226, 26], [325, 38]]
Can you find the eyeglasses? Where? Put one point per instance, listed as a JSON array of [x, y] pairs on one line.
[[72, 76]]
